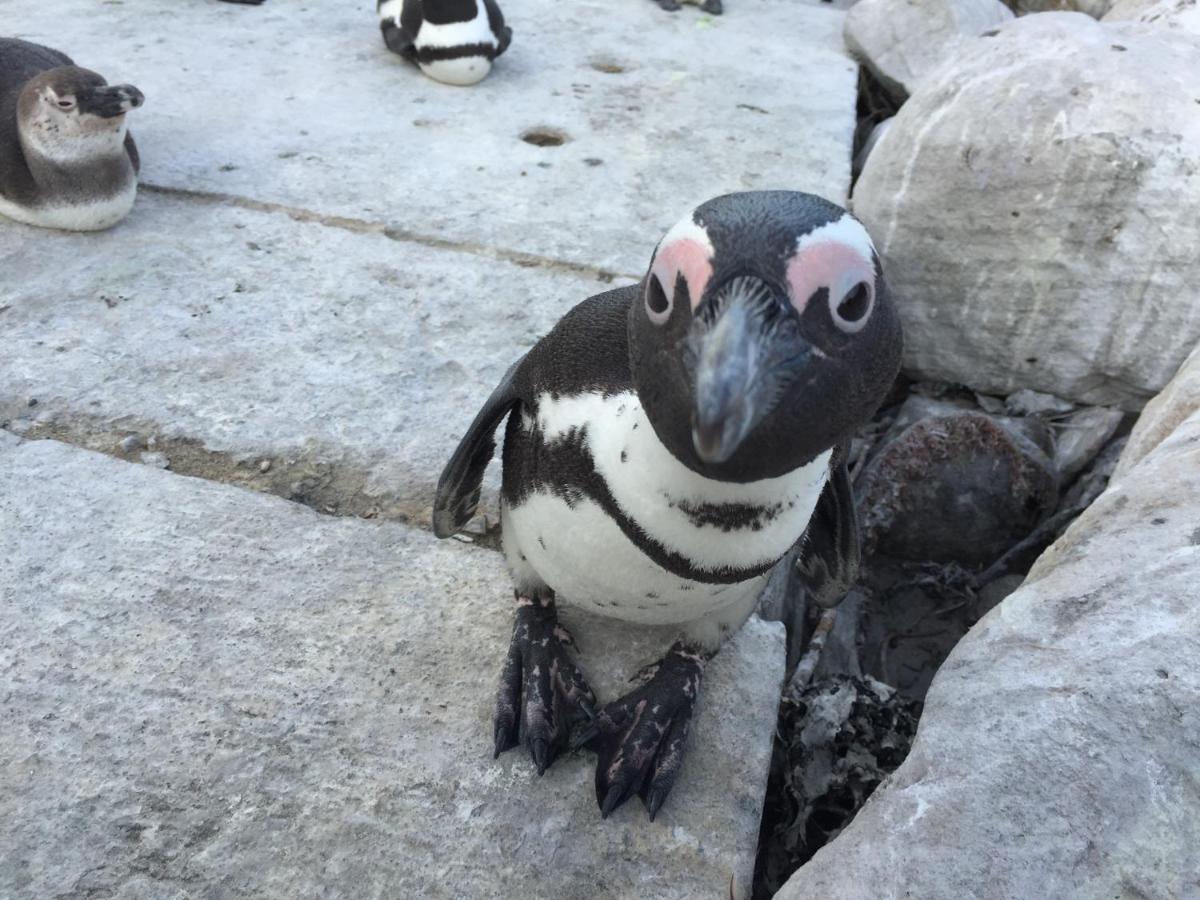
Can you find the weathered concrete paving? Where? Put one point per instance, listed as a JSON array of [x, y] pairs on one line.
[[351, 362], [208, 692], [302, 104], [317, 359]]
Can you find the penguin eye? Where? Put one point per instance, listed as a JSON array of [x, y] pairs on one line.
[[658, 304], [851, 312], [65, 102]]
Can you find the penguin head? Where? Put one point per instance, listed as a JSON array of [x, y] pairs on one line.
[[63, 110], [763, 334]]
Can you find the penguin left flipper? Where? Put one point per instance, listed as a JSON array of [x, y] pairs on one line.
[[830, 550], [639, 739], [459, 486]]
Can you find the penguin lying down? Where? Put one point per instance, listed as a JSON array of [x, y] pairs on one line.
[[667, 443], [452, 41], [66, 158]]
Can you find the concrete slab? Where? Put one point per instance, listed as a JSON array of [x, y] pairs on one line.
[[214, 693], [228, 339], [302, 104]]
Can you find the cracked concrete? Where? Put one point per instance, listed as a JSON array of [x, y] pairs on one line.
[[212, 693], [331, 271]]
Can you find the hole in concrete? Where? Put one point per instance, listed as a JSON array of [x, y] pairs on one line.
[[608, 66], [544, 136]]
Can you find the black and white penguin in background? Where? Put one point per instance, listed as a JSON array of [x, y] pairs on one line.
[[66, 158], [667, 444], [453, 41]]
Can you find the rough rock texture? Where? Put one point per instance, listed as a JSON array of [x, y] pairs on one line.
[[1094, 8], [1059, 751], [1181, 14], [351, 362], [635, 116], [1162, 415], [902, 40], [1051, 243], [209, 692]]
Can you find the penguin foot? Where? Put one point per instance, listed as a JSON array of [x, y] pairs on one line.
[[639, 739], [713, 7], [542, 694], [669, 5]]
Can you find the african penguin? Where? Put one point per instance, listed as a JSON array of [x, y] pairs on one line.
[[667, 443], [453, 41], [66, 158]]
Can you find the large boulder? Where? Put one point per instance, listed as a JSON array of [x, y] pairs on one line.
[[1181, 14], [901, 40], [1059, 750], [1037, 206], [1162, 415], [1093, 8]]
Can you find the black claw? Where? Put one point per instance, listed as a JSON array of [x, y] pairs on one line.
[[655, 801], [542, 694], [615, 797]]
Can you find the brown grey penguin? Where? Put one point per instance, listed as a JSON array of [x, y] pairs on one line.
[[66, 158]]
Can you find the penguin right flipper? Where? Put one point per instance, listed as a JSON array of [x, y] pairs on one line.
[[134, 157], [460, 482], [830, 552], [496, 23]]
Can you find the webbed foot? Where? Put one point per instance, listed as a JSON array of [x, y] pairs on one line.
[[542, 693], [640, 738]]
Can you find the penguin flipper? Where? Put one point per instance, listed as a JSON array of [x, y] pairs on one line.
[[831, 551], [132, 150], [459, 485]]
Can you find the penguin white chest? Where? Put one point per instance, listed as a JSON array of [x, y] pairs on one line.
[[653, 542]]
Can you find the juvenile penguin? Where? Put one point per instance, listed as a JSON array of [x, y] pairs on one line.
[[453, 41], [66, 158], [667, 443]]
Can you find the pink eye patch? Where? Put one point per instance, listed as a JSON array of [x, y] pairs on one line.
[[686, 256], [831, 264]]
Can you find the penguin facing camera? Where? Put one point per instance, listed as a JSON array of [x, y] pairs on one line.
[[452, 41], [67, 159], [667, 443]]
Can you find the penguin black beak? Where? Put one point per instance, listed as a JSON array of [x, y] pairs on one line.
[[111, 101], [746, 347]]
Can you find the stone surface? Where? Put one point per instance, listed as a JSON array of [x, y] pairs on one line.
[[1179, 400], [1094, 8], [1075, 199], [1080, 435], [900, 41], [213, 692], [1181, 14], [352, 361], [302, 104], [1059, 751]]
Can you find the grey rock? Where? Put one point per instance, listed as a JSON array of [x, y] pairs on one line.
[[958, 488], [902, 40], [1162, 415], [1071, 195], [1034, 403], [303, 105], [1079, 436], [211, 692], [876, 135], [1059, 750], [1094, 8], [1181, 14]]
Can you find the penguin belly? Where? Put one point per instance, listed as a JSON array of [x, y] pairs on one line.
[[663, 545], [456, 53], [81, 215]]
